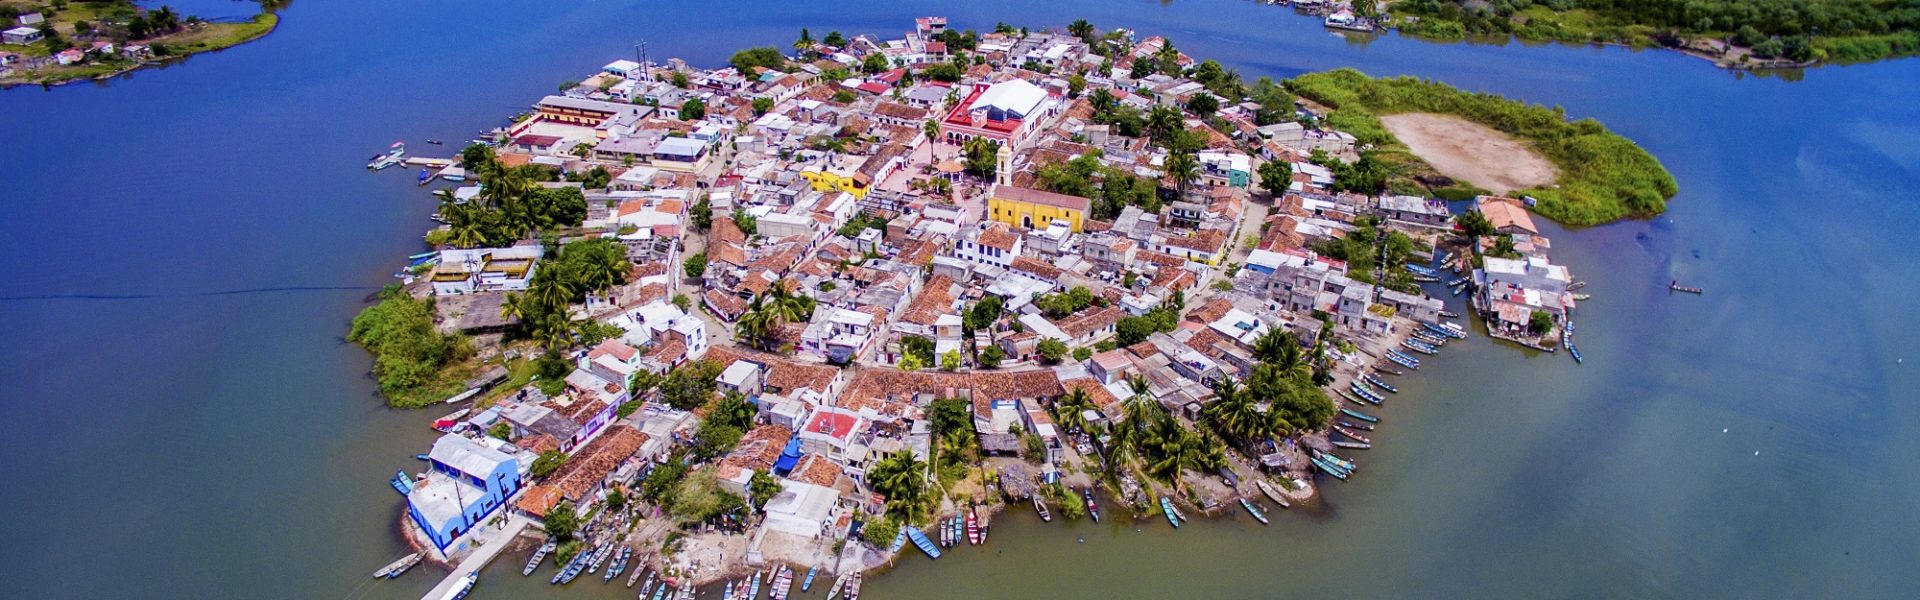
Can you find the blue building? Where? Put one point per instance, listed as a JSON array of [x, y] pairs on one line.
[[467, 482]]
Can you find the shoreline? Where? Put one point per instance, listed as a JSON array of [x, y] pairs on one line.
[[270, 18]]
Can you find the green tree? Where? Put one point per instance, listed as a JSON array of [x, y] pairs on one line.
[[562, 521], [701, 214], [834, 39], [695, 265], [698, 497], [951, 360], [693, 109], [1473, 223], [762, 487], [900, 478], [547, 463], [1539, 322], [501, 430], [1082, 354], [1276, 176], [746, 61], [983, 313], [1052, 351], [911, 363], [1204, 105], [690, 385], [991, 357], [1070, 410], [761, 105], [874, 63]]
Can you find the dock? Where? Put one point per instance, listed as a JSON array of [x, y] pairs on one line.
[[422, 161], [495, 543]]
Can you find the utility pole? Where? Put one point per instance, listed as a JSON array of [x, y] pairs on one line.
[[640, 55]]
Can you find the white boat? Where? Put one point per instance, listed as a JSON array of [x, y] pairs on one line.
[[1272, 494], [395, 153], [460, 590]]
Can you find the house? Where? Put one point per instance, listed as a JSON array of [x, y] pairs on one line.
[[1007, 113], [584, 477], [466, 482], [471, 270], [994, 244], [1419, 211], [625, 69], [1029, 208], [1506, 214], [21, 35], [1508, 291], [741, 377], [800, 509], [583, 112], [831, 432]]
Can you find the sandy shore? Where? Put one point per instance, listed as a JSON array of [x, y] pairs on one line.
[[1471, 152]]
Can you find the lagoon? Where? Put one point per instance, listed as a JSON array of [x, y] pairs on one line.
[[183, 248]]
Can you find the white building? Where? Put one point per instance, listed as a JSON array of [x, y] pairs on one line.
[[470, 270]]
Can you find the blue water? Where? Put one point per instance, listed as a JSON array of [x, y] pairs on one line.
[[163, 442]]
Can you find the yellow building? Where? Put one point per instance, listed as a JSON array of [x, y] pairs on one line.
[[1033, 209], [829, 181]]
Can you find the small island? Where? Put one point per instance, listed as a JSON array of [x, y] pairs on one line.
[[62, 41], [1734, 34], [781, 319]]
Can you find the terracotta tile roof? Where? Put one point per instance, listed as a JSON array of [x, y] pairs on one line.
[[1089, 321], [725, 230], [579, 411], [729, 305], [669, 353], [782, 374], [1205, 240], [537, 500], [593, 463], [1040, 197], [759, 448], [922, 252], [1160, 258], [998, 235], [537, 443], [817, 470], [871, 387], [1038, 268], [934, 300], [900, 111], [1211, 311], [1280, 235], [615, 348]]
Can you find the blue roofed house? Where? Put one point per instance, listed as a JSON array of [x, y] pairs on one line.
[[466, 483]]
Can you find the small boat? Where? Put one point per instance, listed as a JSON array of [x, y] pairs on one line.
[[1430, 339], [1418, 346], [1366, 393], [394, 155], [1176, 511], [424, 255], [434, 142], [1386, 371], [1272, 494], [1426, 279], [726, 593], [599, 558], [920, 539], [853, 587], [1458, 289], [619, 564], [1335, 460], [646, 587], [1448, 329], [1351, 445], [839, 583], [1093, 508], [946, 532], [395, 568], [807, 584], [425, 176], [1355, 426], [1041, 507], [959, 529], [538, 555], [1575, 351], [572, 570], [1330, 469], [1582, 297], [1449, 314], [638, 570], [785, 584], [1349, 433], [1354, 399], [1253, 510], [1674, 287], [1375, 381], [1457, 281], [460, 590], [661, 592], [1420, 270], [973, 529], [753, 589], [1166, 507], [447, 423], [899, 541], [1403, 360], [401, 482], [1359, 415]]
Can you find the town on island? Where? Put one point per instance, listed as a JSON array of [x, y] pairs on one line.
[[767, 325], [64, 41]]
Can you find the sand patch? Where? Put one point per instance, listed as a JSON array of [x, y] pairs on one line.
[[1471, 152]]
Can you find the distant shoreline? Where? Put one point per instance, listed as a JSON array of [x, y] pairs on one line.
[[198, 39]]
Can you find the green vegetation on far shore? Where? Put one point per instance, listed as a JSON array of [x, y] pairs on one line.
[[1603, 177], [167, 34], [1767, 33]]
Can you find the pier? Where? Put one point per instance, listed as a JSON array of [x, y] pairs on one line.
[[490, 545]]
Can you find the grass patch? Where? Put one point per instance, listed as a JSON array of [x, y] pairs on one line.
[[215, 36], [1603, 177]]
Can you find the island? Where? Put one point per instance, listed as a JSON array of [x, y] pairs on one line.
[[65, 41], [781, 319], [1735, 34]]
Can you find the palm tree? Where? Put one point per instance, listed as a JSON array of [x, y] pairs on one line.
[[1164, 121], [514, 306], [1183, 168], [1080, 28], [804, 45], [1072, 410], [1237, 414], [932, 127], [755, 323], [900, 477], [1101, 99]]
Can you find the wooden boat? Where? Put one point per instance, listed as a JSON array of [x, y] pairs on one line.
[[1675, 287], [807, 584], [1335, 460], [899, 541], [1575, 351], [853, 588], [1582, 297], [1457, 281], [1355, 426], [538, 555], [447, 423], [1420, 270], [726, 592], [1402, 360], [1093, 508], [1177, 512], [1386, 371], [786, 582], [646, 587], [839, 583], [1359, 415], [1351, 445], [1375, 381], [1366, 393], [1426, 279], [661, 592], [1354, 399], [973, 529], [599, 558], [1272, 494], [753, 589], [1580, 284], [1417, 346], [1449, 314], [959, 529], [1458, 289], [401, 483], [1430, 339], [573, 569], [1454, 330], [1253, 510], [1166, 507], [946, 532], [638, 570], [920, 539], [1041, 507], [619, 564], [395, 568], [1330, 469], [1349, 433]]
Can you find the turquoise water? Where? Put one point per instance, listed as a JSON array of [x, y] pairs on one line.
[[163, 442]]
